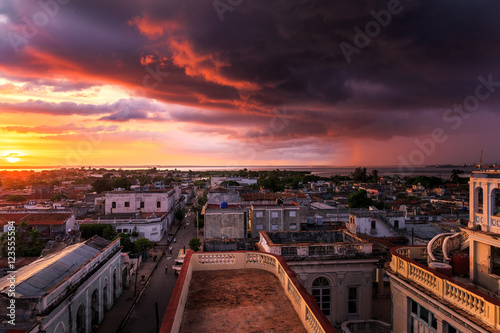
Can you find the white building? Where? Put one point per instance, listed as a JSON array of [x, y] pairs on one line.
[[68, 291], [138, 202], [284, 217], [377, 223]]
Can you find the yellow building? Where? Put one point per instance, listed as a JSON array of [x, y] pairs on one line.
[[452, 284]]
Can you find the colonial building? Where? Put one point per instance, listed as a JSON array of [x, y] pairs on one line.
[[68, 291], [225, 221], [378, 223], [51, 224], [138, 202], [452, 284], [334, 266], [243, 291], [277, 217]]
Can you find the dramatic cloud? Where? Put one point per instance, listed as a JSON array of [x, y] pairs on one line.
[[289, 76]]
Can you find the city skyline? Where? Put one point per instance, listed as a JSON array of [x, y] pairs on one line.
[[242, 84]]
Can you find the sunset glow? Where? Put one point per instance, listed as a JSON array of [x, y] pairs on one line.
[[171, 83]]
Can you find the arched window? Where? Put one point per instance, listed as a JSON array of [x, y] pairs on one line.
[[80, 319], [321, 292], [495, 201], [115, 285], [478, 194], [60, 328], [374, 224], [105, 296], [95, 308]]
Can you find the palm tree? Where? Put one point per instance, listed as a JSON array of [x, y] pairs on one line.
[[455, 173]]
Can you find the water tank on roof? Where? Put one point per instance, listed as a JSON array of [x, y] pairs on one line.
[[223, 204], [319, 220], [441, 268], [310, 220]]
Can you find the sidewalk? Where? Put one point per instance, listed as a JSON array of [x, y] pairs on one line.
[[117, 314]]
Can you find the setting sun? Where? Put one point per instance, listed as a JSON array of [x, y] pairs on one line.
[[11, 159]]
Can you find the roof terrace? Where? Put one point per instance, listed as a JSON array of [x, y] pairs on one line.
[[238, 300]]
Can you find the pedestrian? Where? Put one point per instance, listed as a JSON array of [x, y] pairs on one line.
[[166, 269], [170, 249]]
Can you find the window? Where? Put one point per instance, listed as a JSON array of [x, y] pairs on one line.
[[421, 317], [495, 260], [321, 250], [158, 204], [141, 204], [293, 214], [95, 308], [396, 224], [447, 328], [274, 227], [352, 300], [293, 226], [321, 293], [113, 204], [259, 226], [288, 251], [258, 214], [374, 224], [127, 204], [80, 319], [119, 231], [274, 215]]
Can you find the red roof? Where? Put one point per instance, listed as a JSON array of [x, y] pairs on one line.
[[35, 218]]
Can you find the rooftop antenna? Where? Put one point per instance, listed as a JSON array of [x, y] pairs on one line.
[[481, 160]]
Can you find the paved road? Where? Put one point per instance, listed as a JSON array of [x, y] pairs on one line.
[[143, 318]]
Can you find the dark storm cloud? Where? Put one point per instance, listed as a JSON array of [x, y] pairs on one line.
[[265, 55]]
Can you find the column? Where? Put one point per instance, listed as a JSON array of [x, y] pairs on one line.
[[380, 282]]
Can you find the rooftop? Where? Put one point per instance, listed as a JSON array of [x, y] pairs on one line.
[[41, 276], [249, 300], [35, 218], [322, 236]]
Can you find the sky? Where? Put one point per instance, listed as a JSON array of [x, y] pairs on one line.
[[243, 83]]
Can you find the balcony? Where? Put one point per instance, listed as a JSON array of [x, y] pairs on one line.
[[366, 326], [481, 306], [302, 305]]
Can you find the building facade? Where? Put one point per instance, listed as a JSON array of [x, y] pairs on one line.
[[452, 284], [278, 217], [335, 267], [68, 291], [377, 223], [226, 222]]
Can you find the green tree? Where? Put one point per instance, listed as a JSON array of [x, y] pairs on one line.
[[109, 232], [125, 241], [121, 182], [180, 214], [15, 198], [101, 185], [195, 244], [142, 244], [359, 199], [27, 242], [359, 175], [374, 176], [455, 175], [57, 197]]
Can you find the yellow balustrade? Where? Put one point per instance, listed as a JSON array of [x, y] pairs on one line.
[[480, 306]]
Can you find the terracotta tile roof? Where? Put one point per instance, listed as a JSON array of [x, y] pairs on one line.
[[35, 218]]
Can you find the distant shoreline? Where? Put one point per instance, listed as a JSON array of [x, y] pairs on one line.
[[323, 171]]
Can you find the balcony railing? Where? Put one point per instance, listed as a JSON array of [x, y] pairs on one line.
[[473, 302], [304, 304]]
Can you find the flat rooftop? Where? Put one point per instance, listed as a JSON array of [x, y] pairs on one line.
[[247, 300], [320, 236]]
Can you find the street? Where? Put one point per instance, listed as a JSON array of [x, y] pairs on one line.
[[143, 317]]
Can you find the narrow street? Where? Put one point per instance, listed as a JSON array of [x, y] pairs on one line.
[[143, 317]]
